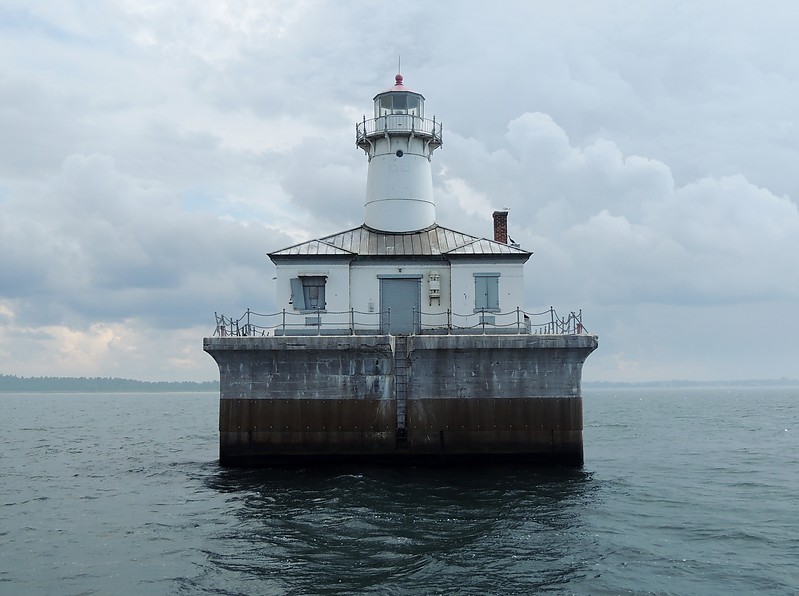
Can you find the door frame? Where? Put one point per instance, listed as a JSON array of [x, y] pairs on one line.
[[385, 322]]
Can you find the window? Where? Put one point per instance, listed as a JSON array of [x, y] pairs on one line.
[[383, 106], [486, 291], [399, 103], [415, 106], [308, 292]]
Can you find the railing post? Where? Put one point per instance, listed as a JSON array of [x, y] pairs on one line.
[[249, 329], [318, 322], [284, 322], [449, 321], [352, 321], [483, 318], [518, 322]]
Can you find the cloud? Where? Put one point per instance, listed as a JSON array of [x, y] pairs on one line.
[[153, 152], [129, 348], [620, 226], [325, 180], [98, 244]]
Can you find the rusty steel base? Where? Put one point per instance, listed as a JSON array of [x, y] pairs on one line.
[[417, 460], [285, 431]]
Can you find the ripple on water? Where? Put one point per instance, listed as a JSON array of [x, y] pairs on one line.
[[677, 495]]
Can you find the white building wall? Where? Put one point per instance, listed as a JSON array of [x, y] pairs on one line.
[[337, 307], [352, 293], [511, 291], [365, 289]]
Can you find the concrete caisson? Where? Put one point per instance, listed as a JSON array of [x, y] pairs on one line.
[[500, 398]]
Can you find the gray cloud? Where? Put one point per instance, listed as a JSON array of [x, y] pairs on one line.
[[104, 246], [152, 153]]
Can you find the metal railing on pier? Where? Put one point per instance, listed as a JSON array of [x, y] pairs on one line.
[[354, 322]]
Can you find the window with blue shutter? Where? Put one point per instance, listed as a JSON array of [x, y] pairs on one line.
[[297, 296], [308, 292], [486, 292]]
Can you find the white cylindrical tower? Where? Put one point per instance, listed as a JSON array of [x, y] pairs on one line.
[[399, 142]]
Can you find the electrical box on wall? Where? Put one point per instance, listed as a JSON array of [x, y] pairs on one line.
[[434, 282]]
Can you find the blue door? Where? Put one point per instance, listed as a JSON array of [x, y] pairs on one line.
[[400, 303]]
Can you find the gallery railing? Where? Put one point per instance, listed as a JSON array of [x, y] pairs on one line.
[[354, 322], [394, 123]]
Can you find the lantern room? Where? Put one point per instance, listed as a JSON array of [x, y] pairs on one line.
[[399, 100]]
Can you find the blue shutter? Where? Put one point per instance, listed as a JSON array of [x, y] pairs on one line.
[[492, 292], [486, 291], [297, 295], [480, 293]]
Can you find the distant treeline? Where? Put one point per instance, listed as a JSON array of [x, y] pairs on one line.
[[11, 383], [744, 383]]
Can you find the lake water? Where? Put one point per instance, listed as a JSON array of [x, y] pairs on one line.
[[684, 491]]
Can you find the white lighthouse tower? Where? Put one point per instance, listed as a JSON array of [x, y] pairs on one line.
[[399, 142], [401, 272]]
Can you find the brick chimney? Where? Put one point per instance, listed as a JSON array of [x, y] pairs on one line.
[[501, 226]]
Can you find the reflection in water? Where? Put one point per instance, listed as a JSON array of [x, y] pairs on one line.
[[362, 529], [688, 493]]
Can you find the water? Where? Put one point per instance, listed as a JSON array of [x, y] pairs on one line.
[[684, 491]]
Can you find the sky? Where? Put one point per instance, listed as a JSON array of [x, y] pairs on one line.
[[152, 152]]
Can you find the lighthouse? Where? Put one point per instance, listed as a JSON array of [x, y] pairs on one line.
[[400, 340], [399, 142]]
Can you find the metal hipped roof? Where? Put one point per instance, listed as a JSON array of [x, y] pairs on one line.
[[433, 241], [312, 248]]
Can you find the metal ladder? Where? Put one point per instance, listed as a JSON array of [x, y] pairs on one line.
[[401, 388]]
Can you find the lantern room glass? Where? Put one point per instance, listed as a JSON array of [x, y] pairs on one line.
[[399, 103]]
